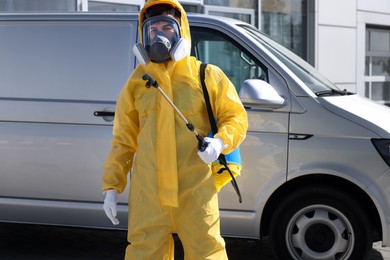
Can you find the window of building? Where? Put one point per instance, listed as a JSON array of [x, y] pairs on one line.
[[377, 67], [243, 14], [38, 6], [191, 8], [113, 6], [244, 10], [94, 6], [290, 23], [248, 4]]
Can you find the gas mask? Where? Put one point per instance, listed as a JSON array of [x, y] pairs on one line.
[[161, 41]]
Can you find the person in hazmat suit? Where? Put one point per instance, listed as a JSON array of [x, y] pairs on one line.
[[171, 189]]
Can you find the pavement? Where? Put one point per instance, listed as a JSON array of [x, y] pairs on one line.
[[33, 242]]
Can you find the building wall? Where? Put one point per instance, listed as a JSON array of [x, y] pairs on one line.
[[340, 38], [336, 42]]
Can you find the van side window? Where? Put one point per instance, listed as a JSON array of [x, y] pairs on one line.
[[213, 47]]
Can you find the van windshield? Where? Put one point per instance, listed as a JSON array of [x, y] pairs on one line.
[[310, 76]]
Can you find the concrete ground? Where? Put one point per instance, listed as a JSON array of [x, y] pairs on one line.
[[28, 242]]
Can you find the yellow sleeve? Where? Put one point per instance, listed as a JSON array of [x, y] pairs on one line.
[[124, 143], [227, 108]]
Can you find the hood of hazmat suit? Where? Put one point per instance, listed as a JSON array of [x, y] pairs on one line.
[[146, 125]]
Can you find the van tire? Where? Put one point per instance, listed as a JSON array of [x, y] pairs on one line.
[[320, 223]]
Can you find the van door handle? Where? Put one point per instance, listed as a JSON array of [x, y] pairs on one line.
[[103, 113], [107, 114]]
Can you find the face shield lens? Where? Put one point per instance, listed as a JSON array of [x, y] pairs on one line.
[[160, 28]]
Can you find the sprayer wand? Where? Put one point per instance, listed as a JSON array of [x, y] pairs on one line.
[[150, 82]]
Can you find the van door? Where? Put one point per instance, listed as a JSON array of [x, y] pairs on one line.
[[264, 151], [55, 73]]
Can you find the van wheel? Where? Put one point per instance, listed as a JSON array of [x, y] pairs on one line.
[[320, 223]]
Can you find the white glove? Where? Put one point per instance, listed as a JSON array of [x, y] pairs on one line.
[[214, 148], [109, 205]]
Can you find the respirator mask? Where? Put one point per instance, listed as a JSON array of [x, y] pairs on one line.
[[161, 41]]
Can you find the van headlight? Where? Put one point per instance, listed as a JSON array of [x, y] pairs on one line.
[[383, 148]]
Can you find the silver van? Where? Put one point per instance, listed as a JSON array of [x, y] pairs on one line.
[[316, 176]]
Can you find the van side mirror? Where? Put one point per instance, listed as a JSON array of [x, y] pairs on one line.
[[255, 93]]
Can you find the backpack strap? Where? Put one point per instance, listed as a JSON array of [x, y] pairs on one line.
[[214, 128], [213, 124]]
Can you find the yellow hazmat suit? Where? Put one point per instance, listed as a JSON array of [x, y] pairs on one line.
[[172, 189]]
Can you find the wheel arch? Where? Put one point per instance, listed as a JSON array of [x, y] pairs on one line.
[[321, 180]]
